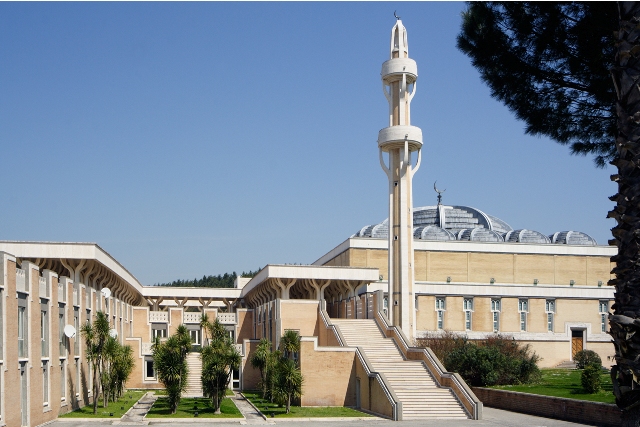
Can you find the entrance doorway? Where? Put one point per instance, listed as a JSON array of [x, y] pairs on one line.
[[577, 342]]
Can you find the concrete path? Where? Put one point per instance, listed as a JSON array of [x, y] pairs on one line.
[[251, 415], [492, 418], [135, 415]]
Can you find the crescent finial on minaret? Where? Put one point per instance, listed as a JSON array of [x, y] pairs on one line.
[[394, 14]]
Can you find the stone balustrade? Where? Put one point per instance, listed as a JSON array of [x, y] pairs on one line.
[[191, 317], [146, 348], [227, 318], [158, 316]]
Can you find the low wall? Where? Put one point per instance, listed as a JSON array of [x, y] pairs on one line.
[[580, 411], [329, 374]]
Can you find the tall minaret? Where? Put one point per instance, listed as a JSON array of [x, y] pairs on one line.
[[400, 140]]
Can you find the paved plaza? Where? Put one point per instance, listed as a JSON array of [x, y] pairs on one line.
[[492, 417]]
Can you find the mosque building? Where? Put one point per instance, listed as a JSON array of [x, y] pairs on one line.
[[358, 308]]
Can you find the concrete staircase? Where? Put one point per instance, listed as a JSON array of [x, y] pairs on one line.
[[411, 382], [194, 383]]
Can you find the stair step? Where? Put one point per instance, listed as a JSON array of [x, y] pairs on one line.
[[414, 385]]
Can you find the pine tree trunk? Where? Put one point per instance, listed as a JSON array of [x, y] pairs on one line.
[[625, 320]]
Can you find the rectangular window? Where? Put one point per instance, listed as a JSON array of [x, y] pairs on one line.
[[467, 306], [62, 339], [495, 309], [603, 309], [78, 383], [22, 326], [63, 381], [149, 371], [44, 328], [22, 333], [76, 325], [159, 330], [550, 308], [523, 308], [440, 308], [45, 383]]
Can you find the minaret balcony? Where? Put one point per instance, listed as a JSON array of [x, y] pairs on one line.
[[393, 137], [393, 69]]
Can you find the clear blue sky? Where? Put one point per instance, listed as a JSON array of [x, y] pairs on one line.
[[202, 138]]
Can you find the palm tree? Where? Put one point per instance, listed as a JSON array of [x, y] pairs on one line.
[[290, 344], [204, 325], [170, 361], [219, 359], [109, 354], [625, 321], [95, 336], [123, 365], [260, 360], [289, 381]]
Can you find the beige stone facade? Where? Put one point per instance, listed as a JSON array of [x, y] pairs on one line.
[[550, 297]]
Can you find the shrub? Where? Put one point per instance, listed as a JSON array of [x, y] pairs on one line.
[[591, 379], [585, 358], [496, 360], [441, 343]]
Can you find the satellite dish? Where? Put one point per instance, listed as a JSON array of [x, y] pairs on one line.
[[106, 292], [113, 333], [70, 331]]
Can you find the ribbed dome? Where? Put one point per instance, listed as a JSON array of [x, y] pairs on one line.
[[479, 235], [525, 236], [572, 238], [444, 223], [432, 232], [456, 218]]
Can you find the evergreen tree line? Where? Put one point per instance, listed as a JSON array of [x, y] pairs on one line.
[[220, 281]]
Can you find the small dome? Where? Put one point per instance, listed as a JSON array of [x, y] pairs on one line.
[[432, 232], [525, 236], [572, 238], [380, 231], [479, 235]]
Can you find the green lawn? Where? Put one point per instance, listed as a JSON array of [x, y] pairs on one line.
[[268, 408], [565, 383], [117, 408], [160, 409]]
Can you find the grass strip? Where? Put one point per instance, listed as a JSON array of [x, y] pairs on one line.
[[270, 409], [565, 383], [117, 408], [189, 406]]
